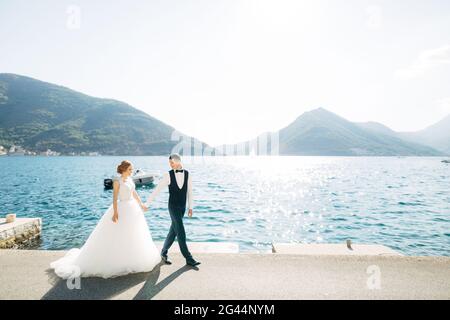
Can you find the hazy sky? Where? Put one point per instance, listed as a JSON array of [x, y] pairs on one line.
[[227, 70]]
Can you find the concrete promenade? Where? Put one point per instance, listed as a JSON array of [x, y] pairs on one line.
[[26, 275]]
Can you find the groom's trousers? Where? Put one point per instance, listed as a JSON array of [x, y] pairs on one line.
[[176, 230]]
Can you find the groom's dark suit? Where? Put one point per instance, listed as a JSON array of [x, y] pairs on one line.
[[177, 208]]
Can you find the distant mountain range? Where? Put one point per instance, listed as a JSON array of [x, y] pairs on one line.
[[320, 132], [436, 136], [323, 133], [40, 116]]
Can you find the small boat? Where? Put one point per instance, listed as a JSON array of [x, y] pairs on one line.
[[445, 161], [140, 178]]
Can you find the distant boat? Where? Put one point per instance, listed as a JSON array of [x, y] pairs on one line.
[[446, 161], [140, 178], [15, 151], [16, 154]]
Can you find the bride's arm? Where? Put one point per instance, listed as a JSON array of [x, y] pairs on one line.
[[115, 196], [138, 199]]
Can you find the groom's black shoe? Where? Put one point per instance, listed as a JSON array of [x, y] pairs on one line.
[[166, 260], [192, 262]]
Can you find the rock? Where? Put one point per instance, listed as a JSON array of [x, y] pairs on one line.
[[10, 218]]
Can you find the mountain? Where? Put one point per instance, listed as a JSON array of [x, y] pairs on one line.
[[377, 128], [323, 133], [436, 136], [320, 132], [40, 116]]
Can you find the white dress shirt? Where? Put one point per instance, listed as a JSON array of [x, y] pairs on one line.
[[164, 183]]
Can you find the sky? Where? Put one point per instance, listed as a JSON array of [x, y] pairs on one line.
[[225, 71]]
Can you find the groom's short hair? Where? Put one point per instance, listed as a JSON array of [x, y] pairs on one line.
[[175, 157]]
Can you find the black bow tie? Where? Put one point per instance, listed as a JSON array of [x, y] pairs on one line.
[[178, 170]]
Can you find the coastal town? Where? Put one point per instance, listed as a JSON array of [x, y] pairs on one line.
[[21, 151]]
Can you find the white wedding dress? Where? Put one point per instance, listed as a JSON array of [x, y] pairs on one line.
[[113, 249]]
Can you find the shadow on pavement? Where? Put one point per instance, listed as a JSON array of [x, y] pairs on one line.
[[101, 289], [150, 288]]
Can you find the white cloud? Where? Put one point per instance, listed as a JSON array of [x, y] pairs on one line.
[[426, 61]]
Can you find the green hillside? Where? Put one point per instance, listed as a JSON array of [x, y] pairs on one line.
[[41, 116]]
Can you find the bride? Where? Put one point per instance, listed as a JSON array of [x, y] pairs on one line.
[[121, 242]]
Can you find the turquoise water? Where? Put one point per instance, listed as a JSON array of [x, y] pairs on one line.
[[403, 203]]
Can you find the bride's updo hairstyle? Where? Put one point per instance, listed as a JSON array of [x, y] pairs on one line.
[[123, 166]]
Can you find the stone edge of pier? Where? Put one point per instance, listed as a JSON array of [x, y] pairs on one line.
[[18, 233]]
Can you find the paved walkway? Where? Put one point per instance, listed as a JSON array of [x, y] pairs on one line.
[[26, 275]]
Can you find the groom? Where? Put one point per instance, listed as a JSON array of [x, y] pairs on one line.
[[179, 182]]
